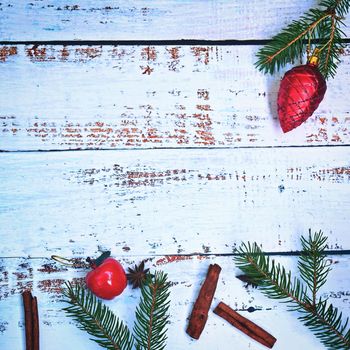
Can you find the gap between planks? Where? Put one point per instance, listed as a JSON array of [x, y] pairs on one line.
[[204, 255], [172, 148], [182, 42]]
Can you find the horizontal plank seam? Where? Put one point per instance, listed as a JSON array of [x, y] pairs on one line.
[[182, 42], [283, 253], [172, 148]]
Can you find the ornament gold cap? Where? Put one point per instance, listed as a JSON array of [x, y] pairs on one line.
[[313, 60]]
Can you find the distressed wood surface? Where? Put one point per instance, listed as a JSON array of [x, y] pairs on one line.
[[180, 158], [108, 97], [46, 278], [146, 20], [172, 201]]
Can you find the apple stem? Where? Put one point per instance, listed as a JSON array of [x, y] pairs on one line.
[[91, 262], [102, 258]]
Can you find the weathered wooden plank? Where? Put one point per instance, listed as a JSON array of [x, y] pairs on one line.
[[45, 278], [144, 20], [107, 97], [171, 201]]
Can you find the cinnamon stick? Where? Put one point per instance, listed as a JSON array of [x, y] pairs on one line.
[[35, 332], [247, 327], [28, 318], [31, 319], [201, 307]]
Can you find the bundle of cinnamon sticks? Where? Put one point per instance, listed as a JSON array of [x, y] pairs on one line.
[[202, 305], [31, 317]]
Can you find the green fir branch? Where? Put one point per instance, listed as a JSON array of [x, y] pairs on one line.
[[324, 320], [152, 314], [150, 328], [330, 37], [288, 45], [97, 319], [341, 7], [273, 280], [316, 25], [312, 263]]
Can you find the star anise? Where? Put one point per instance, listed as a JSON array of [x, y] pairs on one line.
[[137, 275]]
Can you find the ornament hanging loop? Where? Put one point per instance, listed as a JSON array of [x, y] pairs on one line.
[[76, 263], [61, 260]]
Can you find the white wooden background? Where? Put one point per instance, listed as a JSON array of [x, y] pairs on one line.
[[171, 153]]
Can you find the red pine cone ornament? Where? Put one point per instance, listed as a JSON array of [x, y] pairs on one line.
[[301, 90]]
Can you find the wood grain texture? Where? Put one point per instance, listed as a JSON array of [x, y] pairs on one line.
[[145, 20], [171, 201], [46, 279], [113, 97], [183, 159]]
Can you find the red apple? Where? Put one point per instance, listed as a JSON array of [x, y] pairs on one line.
[[107, 280]]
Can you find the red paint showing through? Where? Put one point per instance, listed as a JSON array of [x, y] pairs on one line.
[[6, 51], [45, 53], [172, 258], [196, 129], [201, 54], [117, 176]]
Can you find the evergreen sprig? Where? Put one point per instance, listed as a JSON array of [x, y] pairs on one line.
[[97, 319], [271, 277], [321, 317], [318, 25], [109, 331], [152, 314], [312, 263]]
